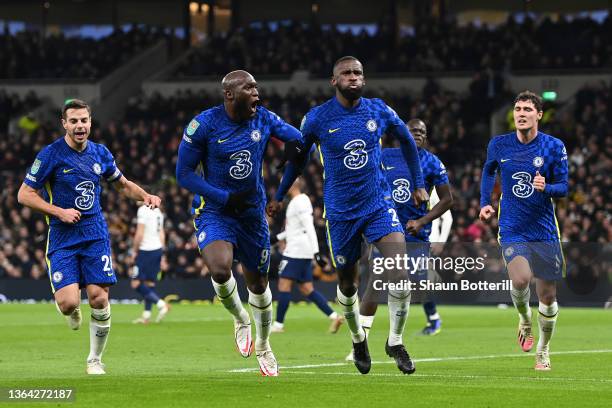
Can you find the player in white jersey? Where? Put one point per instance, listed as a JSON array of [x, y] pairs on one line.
[[147, 253], [296, 266], [440, 227]]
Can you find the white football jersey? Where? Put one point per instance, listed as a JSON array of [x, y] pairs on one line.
[[153, 221], [440, 227], [299, 234]]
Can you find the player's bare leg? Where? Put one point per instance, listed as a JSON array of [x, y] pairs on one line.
[[520, 274], [218, 257], [390, 246], [308, 291], [369, 301], [68, 301], [349, 301], [260, 300], [547, 318], [99, 327], [284, 287]]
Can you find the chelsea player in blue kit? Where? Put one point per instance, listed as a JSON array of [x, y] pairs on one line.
[[416, 220], [220, 160], [533, 170], [347, 130], [69, 171]]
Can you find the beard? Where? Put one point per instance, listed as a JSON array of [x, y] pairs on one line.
[[351, 94]]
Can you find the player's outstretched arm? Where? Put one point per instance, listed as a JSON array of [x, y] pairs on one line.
[[487, 181], [29, 197], [445, 203], [136, 193]]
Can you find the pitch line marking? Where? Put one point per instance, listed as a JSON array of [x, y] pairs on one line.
[[426, 360], [469, 377]]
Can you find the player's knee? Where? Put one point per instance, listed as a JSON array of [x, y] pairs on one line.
[[258, 287], [348, 287], [548, 298], [520, 283], [134, 283], [306, 289], [98, 300], [67, 306], [220, 275]]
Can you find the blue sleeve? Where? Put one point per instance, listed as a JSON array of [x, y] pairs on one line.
[[190, 153], [292, 171], [439, 175], [408, 147], [489, 171], [41, 169], [558, 185], [111, 172], [281, 129]]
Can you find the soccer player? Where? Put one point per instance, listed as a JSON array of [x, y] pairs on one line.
[[147, 252], [78, 255], [533, 170], [440, 230], [347, 130], [220, 160], [301, 246], [416, 219]]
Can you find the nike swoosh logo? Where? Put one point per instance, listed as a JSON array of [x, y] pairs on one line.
[[390, 168], [333, 130], [504, 160], [67, 170], [223, 141]]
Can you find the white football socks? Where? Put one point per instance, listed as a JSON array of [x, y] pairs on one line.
[[366, 323], [99, 327], [350, 307], [399, 306], [228, 295], [547, 318], [520, 298], [261, 307]]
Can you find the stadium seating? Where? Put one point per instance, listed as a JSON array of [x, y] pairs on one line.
[[28, 55], [433, 46]]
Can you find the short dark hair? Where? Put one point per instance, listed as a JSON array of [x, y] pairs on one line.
[[531, 97], [75, 104], [342, 59]]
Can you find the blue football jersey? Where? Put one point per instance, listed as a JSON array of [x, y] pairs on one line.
[[348, 140], [71, 179], [526, 215], [232, 153], [401, 182]]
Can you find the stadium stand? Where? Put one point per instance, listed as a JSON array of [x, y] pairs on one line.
[[30, 55], [433, 46]]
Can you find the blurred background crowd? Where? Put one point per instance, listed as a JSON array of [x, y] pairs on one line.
[[430, 46]]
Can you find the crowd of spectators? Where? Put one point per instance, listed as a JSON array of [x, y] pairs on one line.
[[145, 146], [12, 105], [435, 45], [31, 55]]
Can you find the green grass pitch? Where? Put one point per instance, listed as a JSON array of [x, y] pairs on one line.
[[190, 360]]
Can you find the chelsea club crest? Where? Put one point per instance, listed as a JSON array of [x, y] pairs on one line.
[[538, 161], [371, 125], [256, 135]]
